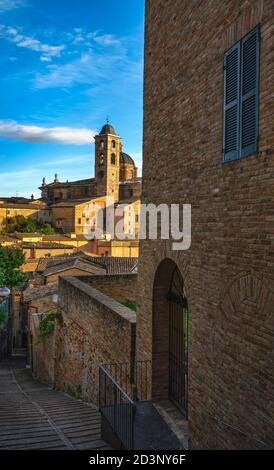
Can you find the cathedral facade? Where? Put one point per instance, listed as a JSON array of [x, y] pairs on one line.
[[115, 175]]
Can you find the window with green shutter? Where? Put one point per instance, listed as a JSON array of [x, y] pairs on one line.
[[241, 98]]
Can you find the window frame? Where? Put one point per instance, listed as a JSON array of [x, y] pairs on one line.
[[240, 153]]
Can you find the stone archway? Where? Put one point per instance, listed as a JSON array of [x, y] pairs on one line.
[[169, 343]]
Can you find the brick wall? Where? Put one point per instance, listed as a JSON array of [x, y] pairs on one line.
[[120, 287], [42, 305], [229, 270], [17, 320], [41, 352], [96, 329]]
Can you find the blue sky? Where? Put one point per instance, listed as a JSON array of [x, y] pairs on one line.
[[66, 65]]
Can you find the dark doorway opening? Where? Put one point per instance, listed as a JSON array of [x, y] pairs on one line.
[[170, 337]]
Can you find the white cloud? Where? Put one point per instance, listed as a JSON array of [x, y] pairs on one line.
[[36, 134], [11, 34], [6, 5], [88, 68], [107, 40], [45, 58], [78, 39]]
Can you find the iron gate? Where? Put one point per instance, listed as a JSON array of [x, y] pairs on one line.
[[178, 343]]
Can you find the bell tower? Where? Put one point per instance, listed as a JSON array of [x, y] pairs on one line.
[[107, 162]]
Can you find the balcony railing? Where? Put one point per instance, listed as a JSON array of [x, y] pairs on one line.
[[121, 385]]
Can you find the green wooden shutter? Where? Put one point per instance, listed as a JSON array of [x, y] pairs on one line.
[[249, 103], [231, 103]]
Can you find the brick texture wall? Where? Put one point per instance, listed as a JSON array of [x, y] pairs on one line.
[[120, 287], [229, 270], [42, 305], [96, 330], [41, 352]]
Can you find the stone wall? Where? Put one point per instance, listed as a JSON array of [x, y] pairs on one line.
[[41, 351], [120, 287], [229, 270], [96, 330], [17, 320], [42, 305], [36, 252]]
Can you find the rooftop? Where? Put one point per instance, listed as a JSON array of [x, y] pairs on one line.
[[68, 183], [107, 129], [72, 203], [47, 245], [33, 293], [76, 263]]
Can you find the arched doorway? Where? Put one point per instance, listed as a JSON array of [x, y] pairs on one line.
[[170, 336]]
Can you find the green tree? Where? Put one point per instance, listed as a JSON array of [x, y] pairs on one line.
[[29, 225], [10, 262]]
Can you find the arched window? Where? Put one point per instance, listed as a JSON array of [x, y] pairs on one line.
[[113, 159], [113, 144], [102, 144], [101, 159]]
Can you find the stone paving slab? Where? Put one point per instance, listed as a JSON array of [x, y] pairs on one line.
[[34, 416]]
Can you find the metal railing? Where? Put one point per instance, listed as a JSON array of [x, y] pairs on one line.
[[117, 408], [121, 385]]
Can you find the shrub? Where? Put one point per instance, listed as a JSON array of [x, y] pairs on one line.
[[130, 304], [47, 324]]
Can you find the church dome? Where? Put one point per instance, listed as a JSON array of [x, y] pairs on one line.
[[125, 159], [107, 129]]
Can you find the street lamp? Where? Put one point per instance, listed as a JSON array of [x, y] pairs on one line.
[[4, 292]]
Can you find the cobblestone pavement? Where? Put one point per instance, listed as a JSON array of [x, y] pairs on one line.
[[34, 416]]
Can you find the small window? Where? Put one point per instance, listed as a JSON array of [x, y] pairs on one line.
[[113, 159], [79, 221], [101, 159], [241, 98], [102, 144], [113, 144]]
